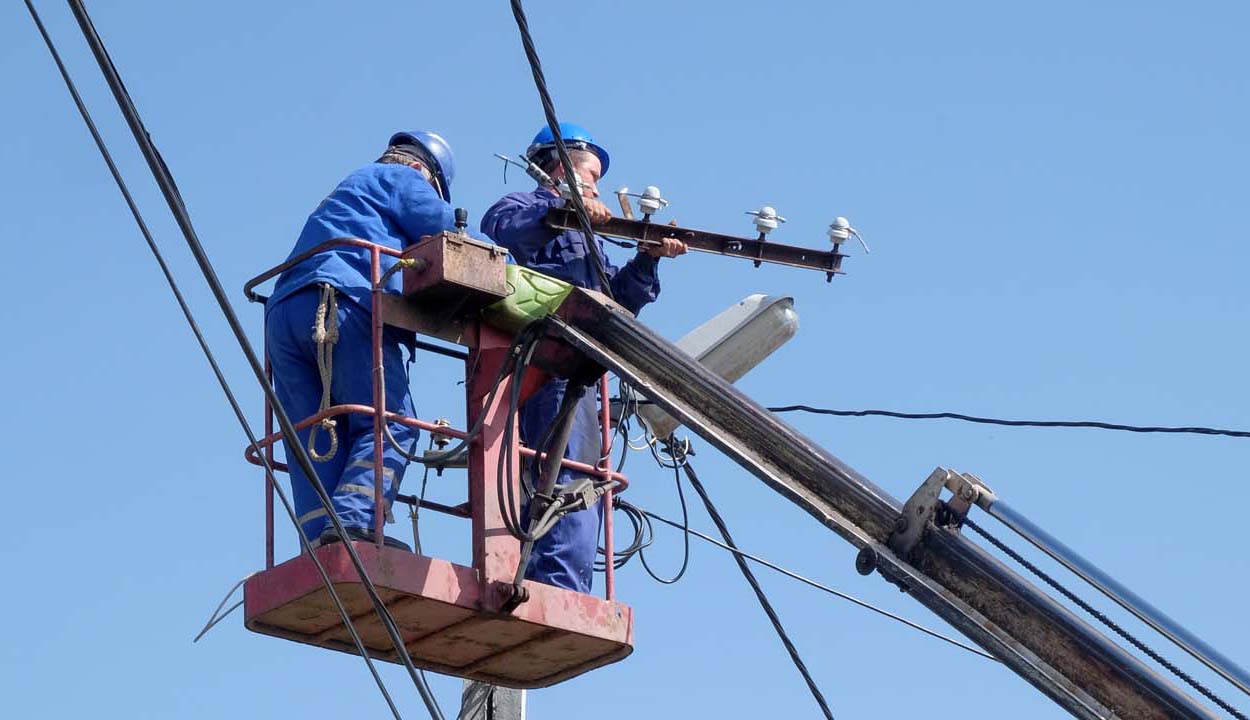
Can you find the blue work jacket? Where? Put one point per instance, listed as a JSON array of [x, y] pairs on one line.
[[388, 204], [518, 223]]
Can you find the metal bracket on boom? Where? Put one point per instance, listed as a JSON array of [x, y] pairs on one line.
[[917, 513], [926, 506], [966, 490]]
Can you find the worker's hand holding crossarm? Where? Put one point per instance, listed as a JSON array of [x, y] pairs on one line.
[[588, 169], [668, 247], [598, 212]]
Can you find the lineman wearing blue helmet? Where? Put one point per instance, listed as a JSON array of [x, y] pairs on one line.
[[394, 201], [565, 556], [542, 151]]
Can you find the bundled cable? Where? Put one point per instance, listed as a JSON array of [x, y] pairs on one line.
[[549, 110], [173, 197]]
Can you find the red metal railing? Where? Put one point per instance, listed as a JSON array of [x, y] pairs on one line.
[[381, 415], [267, 442]]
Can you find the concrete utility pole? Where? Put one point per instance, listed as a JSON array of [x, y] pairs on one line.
[[491, 702]]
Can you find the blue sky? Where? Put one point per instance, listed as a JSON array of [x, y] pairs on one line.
[[1054, 195]]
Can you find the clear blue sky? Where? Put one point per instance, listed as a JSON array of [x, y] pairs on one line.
[[1056, 200]]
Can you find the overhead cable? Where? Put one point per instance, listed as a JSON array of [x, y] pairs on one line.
[[174, 199], [685, 539], [212, 361], [765, 604], [812, 583], [549, 110], [1096, 424]]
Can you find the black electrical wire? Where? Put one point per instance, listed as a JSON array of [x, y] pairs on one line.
[[212, 360], [629, 409], [441, 457], [685, 534], [173, 285], [806, 581], [1106, 621], [174, 199], [643, 533], [755, 586], [642, 538], [1094, 424], [1013, 423], [505, 471], [549, 110]]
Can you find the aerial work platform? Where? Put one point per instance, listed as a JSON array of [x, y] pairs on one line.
[[453, 619], [470, 622]]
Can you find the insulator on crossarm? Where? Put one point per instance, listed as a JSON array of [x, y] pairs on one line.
[[766, 219]]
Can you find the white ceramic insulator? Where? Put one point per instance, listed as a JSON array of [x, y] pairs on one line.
[[650, 201], [766, 219], [839, 230]]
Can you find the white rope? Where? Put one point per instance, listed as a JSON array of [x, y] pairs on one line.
[[325, 334]]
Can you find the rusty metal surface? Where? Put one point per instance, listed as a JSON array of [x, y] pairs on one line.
[[448, 615], [267, 442], [249, 288], [456, 270], [917, 513], [379, 399], [1083, 671], [419, 317], [495, 551], [605, 465], [438, 607], [708, 242]]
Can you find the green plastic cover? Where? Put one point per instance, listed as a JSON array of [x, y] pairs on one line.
[[532, 296]]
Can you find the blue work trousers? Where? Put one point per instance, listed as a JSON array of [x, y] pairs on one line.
[[348, 476], [565, 556]]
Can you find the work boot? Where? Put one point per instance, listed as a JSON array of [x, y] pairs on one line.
[[332, 536]]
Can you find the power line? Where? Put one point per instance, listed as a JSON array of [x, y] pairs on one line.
[[755, 586], [812, 583], [1096, 424], [685, 538], [212, 361], [178, 208], [549, 110], [644, 534]]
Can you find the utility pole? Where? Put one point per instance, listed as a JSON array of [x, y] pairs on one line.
[[491, 702]]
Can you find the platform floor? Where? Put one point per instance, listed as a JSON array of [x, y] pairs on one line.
[[438, 607]]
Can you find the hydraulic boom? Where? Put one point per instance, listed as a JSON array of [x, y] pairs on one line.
[[1035, 636]]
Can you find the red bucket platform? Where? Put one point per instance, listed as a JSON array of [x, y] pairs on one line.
[[451, 617], [438, 607]]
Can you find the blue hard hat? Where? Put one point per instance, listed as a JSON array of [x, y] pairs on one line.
[[575, 137], [438, 151]]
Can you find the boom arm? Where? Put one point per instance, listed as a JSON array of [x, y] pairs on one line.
[[1060, 654]]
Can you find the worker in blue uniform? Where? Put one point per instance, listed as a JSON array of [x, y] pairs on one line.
[[565, 556], [394, 201]]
